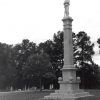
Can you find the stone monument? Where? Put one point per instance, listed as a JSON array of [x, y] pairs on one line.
[[69, 84]]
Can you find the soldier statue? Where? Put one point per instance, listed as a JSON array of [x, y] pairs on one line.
[[66, 5]]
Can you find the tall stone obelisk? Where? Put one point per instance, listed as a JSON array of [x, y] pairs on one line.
[[69, 84]]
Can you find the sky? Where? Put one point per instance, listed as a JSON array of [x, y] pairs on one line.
[[38, 20]]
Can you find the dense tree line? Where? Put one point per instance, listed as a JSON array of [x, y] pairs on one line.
[[27, 65]]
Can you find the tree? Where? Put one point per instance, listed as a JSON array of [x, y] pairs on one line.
[[37, 67], [58, 49], [21, 52], [83, 58], [5, 71], [55, 51], [84, 50], [31, 63], [98, 41], [48, 48]]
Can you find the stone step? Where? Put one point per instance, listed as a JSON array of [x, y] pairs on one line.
[[65, 96]]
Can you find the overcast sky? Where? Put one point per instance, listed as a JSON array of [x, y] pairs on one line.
[[38, 20]]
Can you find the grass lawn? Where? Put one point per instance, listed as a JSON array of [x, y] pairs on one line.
[[36, 95], [95, 93], [28, 95]]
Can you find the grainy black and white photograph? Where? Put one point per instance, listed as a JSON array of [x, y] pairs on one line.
[[49, 50]]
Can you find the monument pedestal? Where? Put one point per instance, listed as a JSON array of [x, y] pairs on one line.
[[69, 89]]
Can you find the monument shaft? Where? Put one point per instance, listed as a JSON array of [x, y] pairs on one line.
[[68, 48]]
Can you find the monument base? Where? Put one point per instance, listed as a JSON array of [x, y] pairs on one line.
[[69, 89], [67, 95]]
